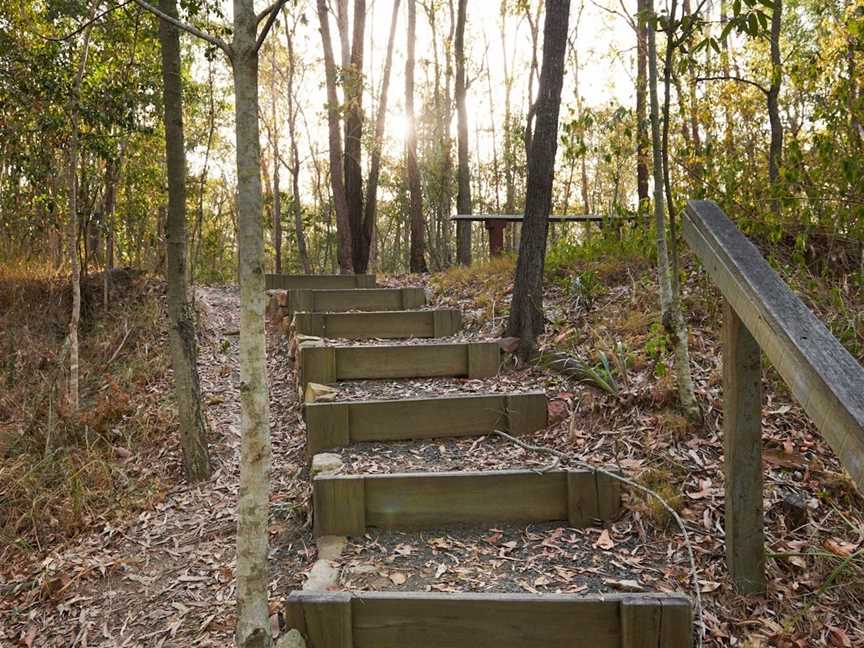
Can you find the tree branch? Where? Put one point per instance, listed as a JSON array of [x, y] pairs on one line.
[[274, 10], [729, 77], [213, 40]]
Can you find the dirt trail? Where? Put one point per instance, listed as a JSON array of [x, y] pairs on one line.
[[165, 578]]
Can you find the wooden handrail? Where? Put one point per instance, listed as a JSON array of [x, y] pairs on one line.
[[821, 374]]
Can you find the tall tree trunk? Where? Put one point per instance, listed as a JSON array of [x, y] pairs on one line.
[[775, 153], [277, 194], [526, 311], [642, 138], [378, 137], [296, 203], [418, 234], [509, 154], [463, 194], [534, 26], [337, 179], [673, 321], [184, 349], [72, 179], [253, 618], [353, 83]]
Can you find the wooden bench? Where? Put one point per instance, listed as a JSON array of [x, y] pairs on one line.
[[335, 425], [348, 504], [495, 224]]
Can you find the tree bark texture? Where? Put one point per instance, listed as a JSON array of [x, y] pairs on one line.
[[371, 206], [526, 312], [417, 260], [463, 193], [184, 346], [353, 83], [673, 320], [253, 618], [337, 179]]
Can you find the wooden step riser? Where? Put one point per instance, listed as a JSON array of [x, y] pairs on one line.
[[330, 364], [348, 504], [335, 425], [289, 282], [340, 301], [433, 620], [387, 324]]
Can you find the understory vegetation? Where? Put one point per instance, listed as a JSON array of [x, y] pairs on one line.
[[63, 472]]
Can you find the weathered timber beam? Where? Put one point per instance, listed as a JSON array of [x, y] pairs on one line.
[[356, 299], [332, 363], [564, 218], [379, 324], [468, 620], [335, 425], [348, 504], [821, 374], [289, 281]]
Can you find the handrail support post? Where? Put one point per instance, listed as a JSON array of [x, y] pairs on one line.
[[742, 439]]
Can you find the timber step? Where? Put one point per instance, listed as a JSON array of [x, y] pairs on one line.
[[291, 281], [444, 620], [336, 425], [354, 299], [379, 324], [332, 363], [348, 504]]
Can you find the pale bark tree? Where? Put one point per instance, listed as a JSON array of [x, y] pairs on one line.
[[181, 332], [463, 194], [72, 184], [369, 218], [672, 317], [417, 255], [252, 570], [526, 320], [334, 138]]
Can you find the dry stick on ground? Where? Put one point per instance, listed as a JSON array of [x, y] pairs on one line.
[[700, 621]]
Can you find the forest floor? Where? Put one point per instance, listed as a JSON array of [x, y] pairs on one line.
[[163, 575]]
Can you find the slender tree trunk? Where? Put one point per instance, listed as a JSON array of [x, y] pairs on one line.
[[353, 83], [642, 138], [378, 137], [296, 203], [72, 179], [184, 349], [673, 321], [526, 312], [418, 234], [253, 618], [534, 25], [509, 154], [463, 195], [277, 194], [337, 179], [776, 150]]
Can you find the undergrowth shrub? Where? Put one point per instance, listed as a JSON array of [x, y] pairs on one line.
[[61, 470]]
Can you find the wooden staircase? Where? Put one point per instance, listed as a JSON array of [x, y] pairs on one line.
[[349, 504]]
